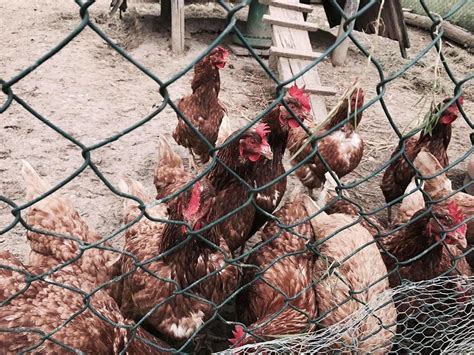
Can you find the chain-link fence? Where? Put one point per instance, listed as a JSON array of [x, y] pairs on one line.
[[326, 274]]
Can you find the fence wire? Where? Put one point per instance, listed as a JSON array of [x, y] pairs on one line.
[[427, 321]]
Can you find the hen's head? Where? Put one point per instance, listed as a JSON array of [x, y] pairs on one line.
[[254, 144], [196, 204], [449, 217], [298, 101], [218, 57], [357, 100], [451, 113]]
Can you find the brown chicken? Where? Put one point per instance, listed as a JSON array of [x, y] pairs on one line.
[[202, 108], [424, 232], [168, 261], [342, 149], [280, 122], [57, 215], [318, 281], [40, 308], [244, 156], [400, 173], [345, 280], [423, 251], [282, 266], [439, 189]]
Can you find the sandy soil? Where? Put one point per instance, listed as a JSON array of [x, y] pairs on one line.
[[91, 92]]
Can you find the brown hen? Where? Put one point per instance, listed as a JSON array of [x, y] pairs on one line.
[[281, 122], [57, 215], [342, 149], [282, 268], [169, 261], [202, 108], [40, 308], [400, 173], [348, 273], [243, 155]]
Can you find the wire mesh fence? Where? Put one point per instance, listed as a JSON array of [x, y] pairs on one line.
[[326, 274]]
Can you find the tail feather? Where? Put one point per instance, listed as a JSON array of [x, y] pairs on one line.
[[169, 173], [35, 184], [225, 130], [167, 156]]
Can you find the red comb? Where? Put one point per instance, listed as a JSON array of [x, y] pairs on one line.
[[238, 334], [455, 212], [194, 201], [225, 52], [300, 95], [262, 129], [457, 215]]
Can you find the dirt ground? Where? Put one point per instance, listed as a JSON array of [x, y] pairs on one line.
[[91, 92]]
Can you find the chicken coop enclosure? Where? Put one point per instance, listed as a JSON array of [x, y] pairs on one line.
[[275, 233]]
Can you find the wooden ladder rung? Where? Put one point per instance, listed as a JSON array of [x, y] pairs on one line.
[[289, 6], [318, 90], [298, 25], [294, 53]]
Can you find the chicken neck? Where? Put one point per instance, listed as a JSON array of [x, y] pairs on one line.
[[278, 138], [340, 115], [206, 78]]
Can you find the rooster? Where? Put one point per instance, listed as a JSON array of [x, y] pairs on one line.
[[172, 270], [202, 108], [399, 173], [244, 155], [342, 148], [31, 310], [281, 269], [57, 215], [281, 122]]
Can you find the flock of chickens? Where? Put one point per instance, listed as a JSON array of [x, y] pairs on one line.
[[172, 279]]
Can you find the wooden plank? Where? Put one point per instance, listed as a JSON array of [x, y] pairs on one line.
[[177, 26], [294, 53], [300, 25], [322, 90], [243, 51], [338, 55], [296, 39], [286, 5]]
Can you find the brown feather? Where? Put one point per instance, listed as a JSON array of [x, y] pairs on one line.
[[43, 307]]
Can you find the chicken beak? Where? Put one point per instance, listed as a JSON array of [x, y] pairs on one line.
[[266, 151]]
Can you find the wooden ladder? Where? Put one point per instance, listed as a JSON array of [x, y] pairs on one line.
[[292, 47]]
